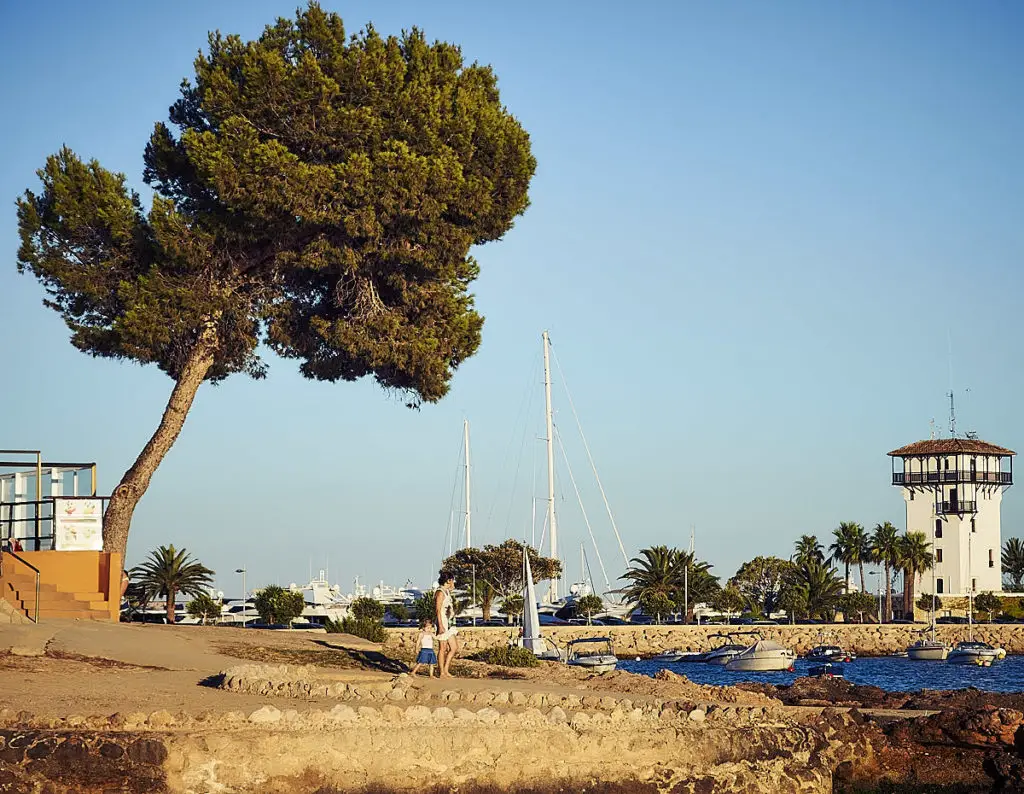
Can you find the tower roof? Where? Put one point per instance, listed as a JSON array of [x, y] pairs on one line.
[[951, 446]]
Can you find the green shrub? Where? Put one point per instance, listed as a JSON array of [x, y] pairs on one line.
[[277, 605], [424, 608], [371, 630], [204, 608], [399, 612], [364, 608], [507, 656]]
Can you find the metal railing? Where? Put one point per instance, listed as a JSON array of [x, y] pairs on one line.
[[39, 518], [35, 616], [952, 475], [958, 507]]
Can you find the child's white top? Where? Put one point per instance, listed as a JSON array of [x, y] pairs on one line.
[[427, 641]]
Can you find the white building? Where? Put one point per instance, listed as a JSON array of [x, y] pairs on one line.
[[953, 489]]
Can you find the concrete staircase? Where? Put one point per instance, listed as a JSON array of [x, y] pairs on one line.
[[19, 590]]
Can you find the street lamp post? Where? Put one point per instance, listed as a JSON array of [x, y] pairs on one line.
[[878, 590], [242, 571]]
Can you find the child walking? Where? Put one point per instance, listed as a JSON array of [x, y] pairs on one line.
[[426, 655]]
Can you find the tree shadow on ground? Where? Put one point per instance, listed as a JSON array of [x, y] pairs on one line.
[[367, 658]]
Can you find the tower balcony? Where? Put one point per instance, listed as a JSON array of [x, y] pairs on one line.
[[955, 508], [952, 476]]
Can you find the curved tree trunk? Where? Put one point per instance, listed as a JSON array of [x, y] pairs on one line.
[[169, 605], [861, 564], [118, 517]]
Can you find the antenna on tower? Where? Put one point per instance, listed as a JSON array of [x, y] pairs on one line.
[[952, 416], [931, 429]]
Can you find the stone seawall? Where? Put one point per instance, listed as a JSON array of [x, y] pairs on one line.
[[864, 640]]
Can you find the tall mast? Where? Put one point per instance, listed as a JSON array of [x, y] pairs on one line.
[[469, 528], [553, 590]]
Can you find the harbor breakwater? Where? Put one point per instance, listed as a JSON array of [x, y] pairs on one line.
[[864, 640]]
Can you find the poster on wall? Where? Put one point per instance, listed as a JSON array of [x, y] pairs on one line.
[[77, 524]]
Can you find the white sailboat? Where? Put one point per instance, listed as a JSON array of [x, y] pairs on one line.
[[980, 654], [532, 639], [929, 648], [554, 597]]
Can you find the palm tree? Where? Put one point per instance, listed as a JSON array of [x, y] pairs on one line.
[[669, 572], [821, 587], [915, 558], [168, 572], [652, 572], [808, 548], [885, 549], [1013, 563], [849, 541]]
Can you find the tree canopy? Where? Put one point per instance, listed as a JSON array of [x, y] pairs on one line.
[[277, 605], [498, 571], [314, 192], [760, 582]]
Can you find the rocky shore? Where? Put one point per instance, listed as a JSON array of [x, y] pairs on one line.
[[215, 716], [864, 640]]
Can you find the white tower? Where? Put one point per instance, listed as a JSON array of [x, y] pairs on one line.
[[953, 487]]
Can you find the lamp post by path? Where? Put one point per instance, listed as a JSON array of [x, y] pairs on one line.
[[242, 571]]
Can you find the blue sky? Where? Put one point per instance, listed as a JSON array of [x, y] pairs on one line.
[[756, 232]]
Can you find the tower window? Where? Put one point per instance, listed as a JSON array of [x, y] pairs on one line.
[[911, 496], [938, 555], [939, 586], [974, 585], [938, 527], [973, 528], [991, 560]]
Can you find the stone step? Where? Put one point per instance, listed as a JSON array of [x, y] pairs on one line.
[[80, 614]]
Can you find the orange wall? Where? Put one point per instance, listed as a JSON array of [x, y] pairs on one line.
[[80, 572]]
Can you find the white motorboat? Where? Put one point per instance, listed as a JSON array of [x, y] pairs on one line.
[[723, 653], [669, 656], [977, 653], [762, 656], [591, 653], [970, 652]]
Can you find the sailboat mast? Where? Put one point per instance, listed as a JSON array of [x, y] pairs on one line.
[[469, 528], [970, 589], [549, 424]]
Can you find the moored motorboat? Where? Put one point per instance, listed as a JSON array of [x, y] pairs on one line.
[[980, 654], [723, 653], [591, 653], [826, 670], [669, 656], [762, 656], [829, 653]]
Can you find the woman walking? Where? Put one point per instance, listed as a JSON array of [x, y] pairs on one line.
[[444, 607]]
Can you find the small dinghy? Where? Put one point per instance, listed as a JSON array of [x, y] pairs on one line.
[[826, 670]]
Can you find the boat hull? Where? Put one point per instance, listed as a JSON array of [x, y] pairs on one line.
[[721, 659], [763, 664], [928, 653], [595, 664], [977, 658]]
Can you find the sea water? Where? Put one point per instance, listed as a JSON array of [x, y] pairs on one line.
[[893, 673]]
